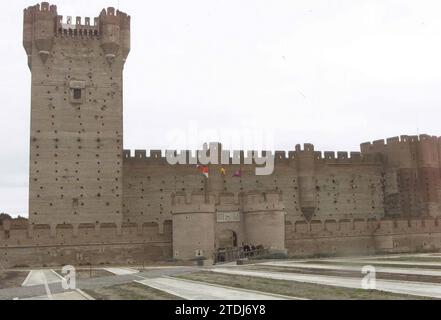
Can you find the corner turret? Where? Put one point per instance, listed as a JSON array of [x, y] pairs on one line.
[[39, 24], [115, 33]]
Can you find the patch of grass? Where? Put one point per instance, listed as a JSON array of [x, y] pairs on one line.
[[371, 263], [346, 273], [295, 289], [413, 259], [130, 291], [272, 256], [12, 279]]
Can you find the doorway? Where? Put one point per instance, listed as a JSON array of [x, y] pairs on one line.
[[227, 239]]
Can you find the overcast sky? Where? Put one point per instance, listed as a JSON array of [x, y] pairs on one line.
[[255, 74]]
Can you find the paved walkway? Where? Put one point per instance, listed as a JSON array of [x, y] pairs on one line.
[[121, 271], [71, 295], [40, 277], [388, 262], [87, 284], [408, 271], [401, 287], [388, 256], [191, 290]]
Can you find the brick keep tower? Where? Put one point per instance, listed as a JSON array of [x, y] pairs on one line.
[[76, 115]]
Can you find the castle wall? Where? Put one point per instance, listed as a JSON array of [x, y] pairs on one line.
[[92, 202], [36, 247], [413, 176], [138, 245], [342, 186], [361, 237]]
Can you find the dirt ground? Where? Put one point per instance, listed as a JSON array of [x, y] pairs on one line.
[[130, 291], [296, 289], [12, 279], [83, 274]]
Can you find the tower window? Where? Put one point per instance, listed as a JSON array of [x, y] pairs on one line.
[[77, 94], [76, 91]]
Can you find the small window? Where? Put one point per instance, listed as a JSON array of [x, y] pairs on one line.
[[77, 94], [76, 91]]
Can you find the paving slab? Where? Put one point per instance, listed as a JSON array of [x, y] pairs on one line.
[[71, 295], [41, 277], [392, 263], [407, 271], [401, 287], [191, 290], [121, 271]]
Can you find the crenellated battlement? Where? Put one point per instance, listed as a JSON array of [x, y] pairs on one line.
[[112, 12], [42, 24], [112, 16], [256, 201], [307, 147], [21, 231], [191, 203], [251, 201], [81, 27], [149, 157], [247, 158], [18, 233], [406, 151], [382, 144], [375, 227], [87, 27], [109, 244], [43, 7], [109, 12]]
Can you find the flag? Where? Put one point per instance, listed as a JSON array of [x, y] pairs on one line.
[[237, 174], [204, 170]]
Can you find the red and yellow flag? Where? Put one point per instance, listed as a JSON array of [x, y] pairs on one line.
[[204, 170]]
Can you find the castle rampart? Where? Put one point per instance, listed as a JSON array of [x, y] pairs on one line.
[[412, 168], [93, 202], [104, 246]]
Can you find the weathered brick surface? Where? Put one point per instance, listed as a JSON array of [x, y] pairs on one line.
[[92, 201]]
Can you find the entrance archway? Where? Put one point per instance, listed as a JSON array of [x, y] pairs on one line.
[[227, 239]]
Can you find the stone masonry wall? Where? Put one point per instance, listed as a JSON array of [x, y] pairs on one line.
[[76, 115], [20, 246], [341, 187]]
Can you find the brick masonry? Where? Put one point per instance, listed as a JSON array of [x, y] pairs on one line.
[[93, 202]]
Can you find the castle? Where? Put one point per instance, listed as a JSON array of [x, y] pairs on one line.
[[93, 202]]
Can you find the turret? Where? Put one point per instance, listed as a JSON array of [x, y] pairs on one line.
[[28, 28], [306, 177], [193, 226], [115, 33], [45, 20], [125, 35], [264, 220], [412, 166], [39, 25]]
